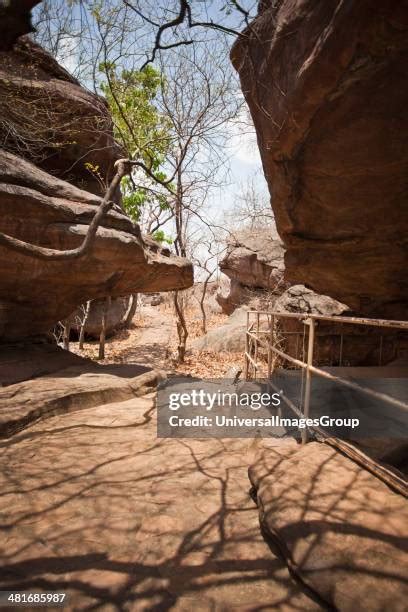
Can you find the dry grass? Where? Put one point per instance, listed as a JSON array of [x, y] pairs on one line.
[[205, 364]]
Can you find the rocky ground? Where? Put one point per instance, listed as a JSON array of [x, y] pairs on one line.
[[126, 521], [152, 341], [122, 520]]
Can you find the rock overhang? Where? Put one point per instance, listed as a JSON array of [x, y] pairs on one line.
[[41, 209]]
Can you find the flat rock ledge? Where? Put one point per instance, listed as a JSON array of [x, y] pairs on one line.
[[77, 385]]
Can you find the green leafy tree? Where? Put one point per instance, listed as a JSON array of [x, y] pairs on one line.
[[145, 133]]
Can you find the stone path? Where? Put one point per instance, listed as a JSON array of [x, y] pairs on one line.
[[92, 503], [150, 345]]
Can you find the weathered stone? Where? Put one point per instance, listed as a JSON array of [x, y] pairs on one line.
[[341, 529], [50, 120], [95, 505], [229, 337], [254, 265], [40, 209], [115, 315], [326, 86], [233, 296], [15, 20], [254, 259], [82, 384], [305, 301]]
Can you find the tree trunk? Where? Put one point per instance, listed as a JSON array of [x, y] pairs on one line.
[[131, 310], [83, 324], [203, 313], [102, 336], [66, 335], [182, 332]]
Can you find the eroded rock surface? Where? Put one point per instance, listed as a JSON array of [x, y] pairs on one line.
[[254, 264], [341, 529], [125, 520], [41, 209], [15, 20], [326, 86], [228, 337], [48, 118], [51, 129]]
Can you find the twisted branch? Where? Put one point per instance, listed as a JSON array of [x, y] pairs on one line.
[[123, 167]]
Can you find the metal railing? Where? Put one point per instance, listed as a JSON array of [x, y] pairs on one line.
[[261, 333]]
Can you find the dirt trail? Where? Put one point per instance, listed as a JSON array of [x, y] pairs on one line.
[[151, 344]]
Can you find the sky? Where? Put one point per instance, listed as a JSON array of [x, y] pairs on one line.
[[244, 159]]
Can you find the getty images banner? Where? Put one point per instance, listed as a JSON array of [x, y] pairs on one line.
[[196, 408]]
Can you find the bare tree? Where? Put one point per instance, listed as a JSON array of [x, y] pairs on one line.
[[102, 336], [252, 209], [83, 322], [197, 97], [205, 254], [130, 313], [66, 326]]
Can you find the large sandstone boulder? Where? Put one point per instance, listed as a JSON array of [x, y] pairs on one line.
[[15, 20], [41, 209], [341, 530], [254, 264], [254, 259], [326, 86], [50, 120], [302, 300], [67, 383], [229, 337]]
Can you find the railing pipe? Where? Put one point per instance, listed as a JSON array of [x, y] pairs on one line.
[[308, 385]]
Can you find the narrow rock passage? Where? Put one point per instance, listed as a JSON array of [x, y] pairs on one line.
[[92, 503]]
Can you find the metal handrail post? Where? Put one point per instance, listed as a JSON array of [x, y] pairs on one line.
[[256, 347], [308, 385], [246, 369], [271, 329]]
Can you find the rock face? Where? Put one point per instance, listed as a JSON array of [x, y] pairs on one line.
[[326, 86], [254, 265], [229, 337], [341, 529], [300, 299], [15, 21], [115, 316], [51, 129], [41, 209], [50, 120]]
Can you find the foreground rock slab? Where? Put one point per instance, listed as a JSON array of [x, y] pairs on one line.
[[93, 504], [70, 389], [342, 531]]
